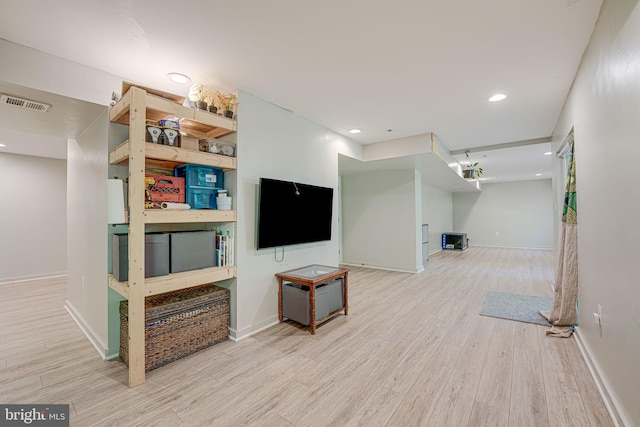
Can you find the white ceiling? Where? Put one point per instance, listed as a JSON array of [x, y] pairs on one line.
[[394, 69]]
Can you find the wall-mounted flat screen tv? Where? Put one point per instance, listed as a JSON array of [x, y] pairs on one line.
[[290, 213]]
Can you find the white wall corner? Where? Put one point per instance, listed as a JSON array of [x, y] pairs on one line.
[[104, 352]]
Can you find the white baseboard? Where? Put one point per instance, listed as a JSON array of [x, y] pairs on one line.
[[235, 335], [382, 268], [612, 404], [35, 279], [102, 350], [512, 247]]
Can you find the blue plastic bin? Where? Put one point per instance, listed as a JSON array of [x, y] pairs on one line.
[[199, 176], [201, 184]]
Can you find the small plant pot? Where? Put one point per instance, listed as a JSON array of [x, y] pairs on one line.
[[213, 109], [228, 114], [201, 105], [467, 173]]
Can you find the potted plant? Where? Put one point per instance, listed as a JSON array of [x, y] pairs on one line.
[[211, 100], [229, 100], [472, 171], [198, 94], [217, 99]]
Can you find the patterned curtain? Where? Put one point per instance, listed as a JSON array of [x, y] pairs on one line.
[[563, 314]]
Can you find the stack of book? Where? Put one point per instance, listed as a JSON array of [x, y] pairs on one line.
[[224, 250]]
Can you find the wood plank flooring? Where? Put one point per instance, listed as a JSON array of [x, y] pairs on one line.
[[413, 351]]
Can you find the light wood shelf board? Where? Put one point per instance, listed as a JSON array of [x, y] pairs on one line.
[[179, 155], [176, 281], [175, 98], [120, 287], [187, 279], [118, 111], [166, 157], [162, 216], [195, 123], [120, 154]]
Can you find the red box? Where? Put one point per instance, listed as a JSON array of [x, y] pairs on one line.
[[163, 188]]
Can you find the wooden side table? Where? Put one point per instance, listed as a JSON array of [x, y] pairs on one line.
[[313, 276]]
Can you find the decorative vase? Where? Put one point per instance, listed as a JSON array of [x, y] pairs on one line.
[[228, 114], [201, 105], [213, 109]]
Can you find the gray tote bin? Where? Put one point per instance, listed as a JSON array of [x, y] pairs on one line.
[[156, 255], [297, 306], [192, 250]]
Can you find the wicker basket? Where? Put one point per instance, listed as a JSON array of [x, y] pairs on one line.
[[179, 323]]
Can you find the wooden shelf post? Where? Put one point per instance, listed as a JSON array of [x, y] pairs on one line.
[[137, 128]]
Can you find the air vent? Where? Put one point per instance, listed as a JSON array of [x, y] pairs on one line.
[[23, 103]]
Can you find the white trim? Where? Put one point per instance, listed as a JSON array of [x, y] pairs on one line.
[[612, 404], [56, 277], [383, 268], [102, 350], [236, 336], [512, 247], [112, 356]]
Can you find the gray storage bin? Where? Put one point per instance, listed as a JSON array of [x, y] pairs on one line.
[[297, 306], [156, 255], [192, 250]]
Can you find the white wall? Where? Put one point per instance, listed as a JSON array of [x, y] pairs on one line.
[[521, 212], [380, 222], [604, 108], [437, 211], [275, 143], [88, 295], [33, 213]]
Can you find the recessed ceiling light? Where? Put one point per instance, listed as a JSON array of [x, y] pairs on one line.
[[538, 174], [355, 130], [178, 78], [548, 153], [2, 145], [497, 97]]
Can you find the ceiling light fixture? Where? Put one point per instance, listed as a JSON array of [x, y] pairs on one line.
[[179, 78], [548, 153], [355, 130], [2, 145], [497, 97], [538, 174]]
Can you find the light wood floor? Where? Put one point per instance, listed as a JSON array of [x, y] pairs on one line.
[[412, 351]]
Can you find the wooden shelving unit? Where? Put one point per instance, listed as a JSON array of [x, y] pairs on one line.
[[134, 108]]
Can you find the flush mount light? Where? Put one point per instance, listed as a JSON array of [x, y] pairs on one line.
[[497, 97], [2, 145], [548, 153], [355, 130], [538, 174], [179, 78]]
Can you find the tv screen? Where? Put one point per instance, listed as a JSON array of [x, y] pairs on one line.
[[290, 213]]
